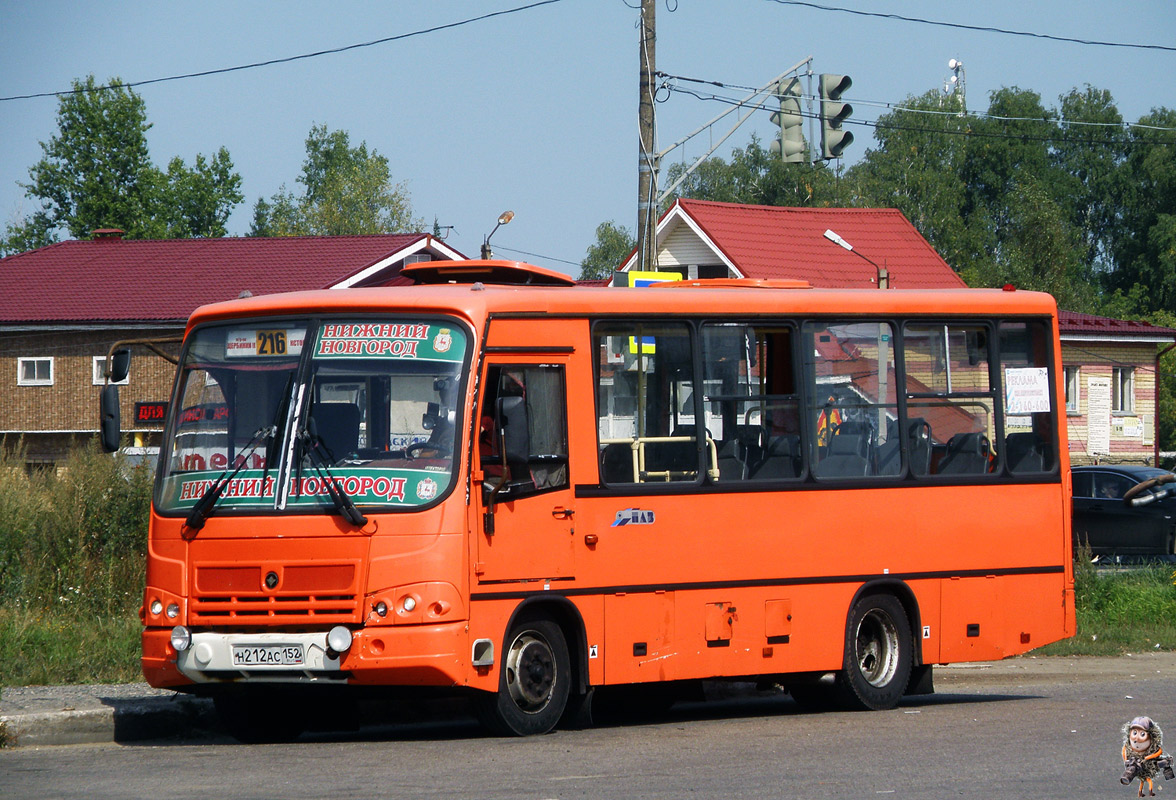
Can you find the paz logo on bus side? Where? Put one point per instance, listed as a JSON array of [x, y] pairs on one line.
[[633, 516]]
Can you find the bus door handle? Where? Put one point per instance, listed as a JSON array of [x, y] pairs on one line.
[[559, 512]]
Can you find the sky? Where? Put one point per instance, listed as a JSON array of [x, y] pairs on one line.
[[534, 110]]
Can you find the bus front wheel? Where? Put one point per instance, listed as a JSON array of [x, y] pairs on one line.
[[878, 654], [534, 681]]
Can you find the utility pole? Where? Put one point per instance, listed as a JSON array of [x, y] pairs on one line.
[[646, 157]]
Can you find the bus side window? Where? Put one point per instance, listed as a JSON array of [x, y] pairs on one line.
[[752, 406], [951, 398], [652, 420], [1028, 392], [524, 435], [851, 398]]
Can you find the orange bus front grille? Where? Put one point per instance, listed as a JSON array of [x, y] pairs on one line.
[[252, 610]]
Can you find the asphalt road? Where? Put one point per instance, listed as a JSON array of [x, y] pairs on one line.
[[1040, 728]]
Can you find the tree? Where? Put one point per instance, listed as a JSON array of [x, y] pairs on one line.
[[916, 169], [613, 245], [756, 177], [347, 190], [1145, 249], [96, 173], [1090, 152]]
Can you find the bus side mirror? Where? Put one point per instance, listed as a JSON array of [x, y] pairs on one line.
[[120, 365], [111, 419]]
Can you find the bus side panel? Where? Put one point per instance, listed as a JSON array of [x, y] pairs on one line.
[[678, 635]]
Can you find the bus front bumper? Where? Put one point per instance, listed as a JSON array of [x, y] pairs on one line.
[[426, 655]]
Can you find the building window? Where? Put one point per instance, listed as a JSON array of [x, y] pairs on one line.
[[1123, 390], [99, 373], [1072, 384], [34, 372]]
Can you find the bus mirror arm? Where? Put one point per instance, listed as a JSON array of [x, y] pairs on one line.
[[493, 491]]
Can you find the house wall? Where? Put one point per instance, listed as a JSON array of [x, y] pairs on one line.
[[684, 249], [1132, 434], [47, 420]]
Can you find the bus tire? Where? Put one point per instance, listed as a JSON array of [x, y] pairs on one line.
[[534, 681], [878, 654]]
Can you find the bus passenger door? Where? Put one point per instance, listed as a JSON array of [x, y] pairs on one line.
[[526, 498]]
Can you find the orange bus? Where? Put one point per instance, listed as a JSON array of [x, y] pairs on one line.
[[498, 481]]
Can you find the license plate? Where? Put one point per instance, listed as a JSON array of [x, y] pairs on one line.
[[267, 655]]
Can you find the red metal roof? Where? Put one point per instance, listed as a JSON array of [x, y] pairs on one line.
[[780, 242], [113, 279], [1087, 324]]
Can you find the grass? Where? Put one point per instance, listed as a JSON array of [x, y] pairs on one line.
[[1120, 612], [72, 547]]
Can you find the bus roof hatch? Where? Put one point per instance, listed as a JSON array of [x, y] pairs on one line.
[[514, 273]]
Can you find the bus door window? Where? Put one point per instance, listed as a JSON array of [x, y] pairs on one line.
[[645, 387], [1028, 390], [951, 403], [851, 399], [749, 376], [523, 440]]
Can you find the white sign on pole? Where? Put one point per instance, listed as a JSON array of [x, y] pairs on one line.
[[1098, 415]]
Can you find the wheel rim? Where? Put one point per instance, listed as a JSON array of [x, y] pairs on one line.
[[877, 648], [530, 672]]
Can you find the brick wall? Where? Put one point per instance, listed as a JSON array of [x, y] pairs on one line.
[[51, 419], [1132, 439]]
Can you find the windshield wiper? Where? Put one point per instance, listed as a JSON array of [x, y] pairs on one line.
[[341, 499], [203, 507]]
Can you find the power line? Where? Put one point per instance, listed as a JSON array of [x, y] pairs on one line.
[[538, 255], [908, 109], [287, 59], [966, 131], [981, 28]]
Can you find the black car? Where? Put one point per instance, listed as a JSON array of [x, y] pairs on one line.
[[1125, 509]]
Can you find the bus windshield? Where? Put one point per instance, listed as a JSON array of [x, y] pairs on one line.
[[371, 408]]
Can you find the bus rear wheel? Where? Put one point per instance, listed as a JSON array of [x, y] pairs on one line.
[[534, 681], [878, 654]]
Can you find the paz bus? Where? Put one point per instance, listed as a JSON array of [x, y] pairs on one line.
[[497, 481]]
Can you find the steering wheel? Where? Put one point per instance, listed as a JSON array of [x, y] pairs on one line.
[[413, 449]]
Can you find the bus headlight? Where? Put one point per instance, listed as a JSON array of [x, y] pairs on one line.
[[181, 638], [173, 610]]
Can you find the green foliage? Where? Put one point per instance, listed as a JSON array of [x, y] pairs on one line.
[[75, 535], [757, 177], [612, 247], [72, 548], [96, 173], [347, 191], [1120, 612]]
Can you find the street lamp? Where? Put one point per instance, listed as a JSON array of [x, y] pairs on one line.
[[504, 218], [883, 275]]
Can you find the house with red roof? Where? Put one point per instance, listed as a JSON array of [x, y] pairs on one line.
[[1110, 365], [706, 239], [64, 305], [1112, 395]]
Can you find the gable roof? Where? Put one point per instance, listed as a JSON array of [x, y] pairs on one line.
[[777, 242], [1073, 325], [110, 279]]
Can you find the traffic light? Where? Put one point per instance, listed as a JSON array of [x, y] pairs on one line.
[[833, 113], [789, 145]]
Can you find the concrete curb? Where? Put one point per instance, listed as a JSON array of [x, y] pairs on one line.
[[122, 720]]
